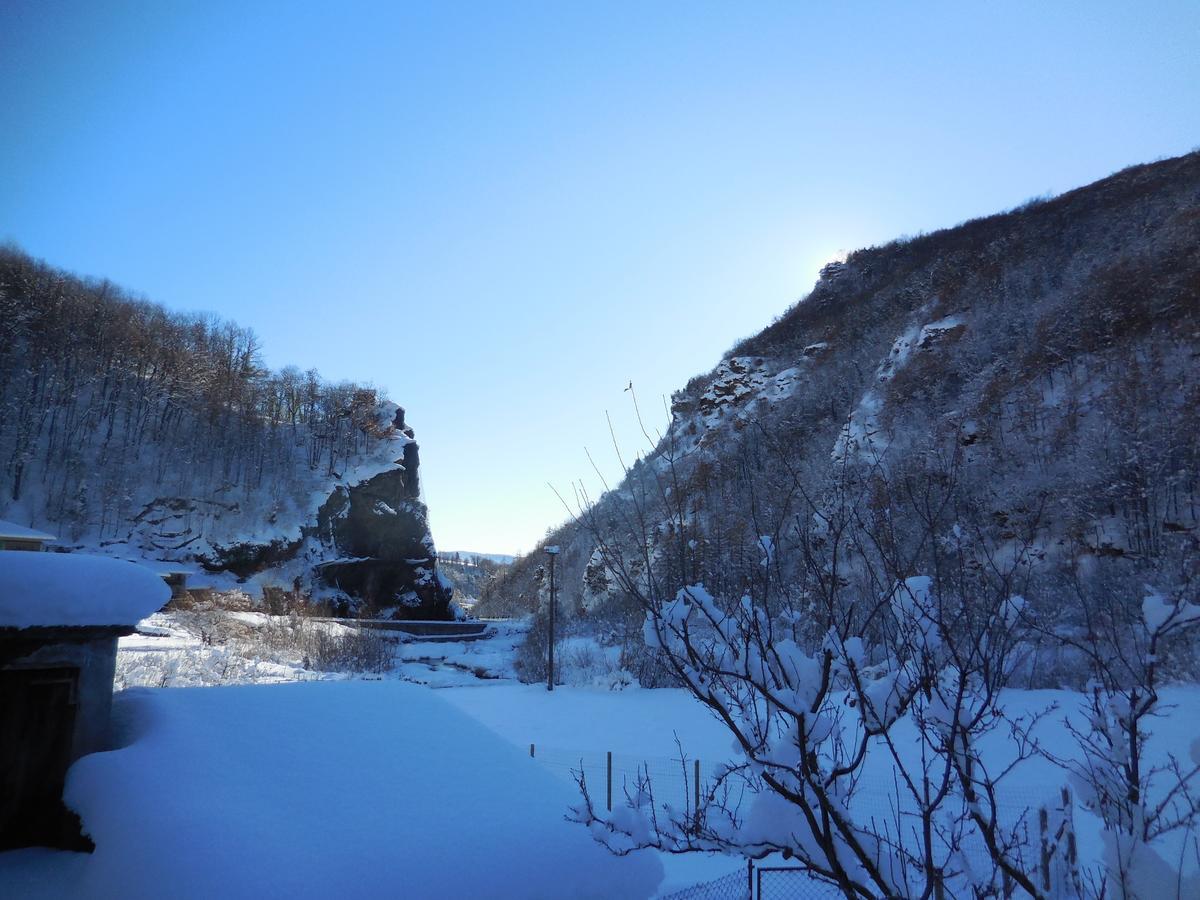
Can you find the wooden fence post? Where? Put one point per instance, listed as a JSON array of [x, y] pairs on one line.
[[1069, 823], [531, 751]]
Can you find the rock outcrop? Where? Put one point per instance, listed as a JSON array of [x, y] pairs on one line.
[[385, 556], [368, 550]]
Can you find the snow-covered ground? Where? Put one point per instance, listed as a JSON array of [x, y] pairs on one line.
[[349, 789], [574, 727], [206, 648], [462, 664], [416, 782]]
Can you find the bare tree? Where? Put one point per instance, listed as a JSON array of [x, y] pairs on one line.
[[1139, 799], [883, 651]]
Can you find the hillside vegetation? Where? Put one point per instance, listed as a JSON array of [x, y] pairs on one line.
[[150, 433], [1018, 396]]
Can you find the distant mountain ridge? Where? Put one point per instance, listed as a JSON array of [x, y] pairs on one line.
[[502, 558]]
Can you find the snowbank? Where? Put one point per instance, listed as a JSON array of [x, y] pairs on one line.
[[67, 589], [587, 720], [335, 789]]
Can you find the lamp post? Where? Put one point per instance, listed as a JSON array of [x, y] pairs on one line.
[[552, 552]]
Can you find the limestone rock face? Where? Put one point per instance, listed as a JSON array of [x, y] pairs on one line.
[[246, 558], [370, 544], [385, 556]]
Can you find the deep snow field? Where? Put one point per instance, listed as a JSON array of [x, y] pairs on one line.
[[241, 777]]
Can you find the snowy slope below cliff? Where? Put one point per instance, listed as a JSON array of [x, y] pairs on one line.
[[208, 517]]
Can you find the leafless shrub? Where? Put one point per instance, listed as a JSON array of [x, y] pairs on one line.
[[353, 650]]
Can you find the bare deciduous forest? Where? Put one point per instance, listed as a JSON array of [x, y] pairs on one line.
[[111, 406]]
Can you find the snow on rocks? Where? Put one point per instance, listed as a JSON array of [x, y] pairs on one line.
[[732, 382], [736, 386], [382, 509], [860, 437], [333, 789], [74, 589], [741, 379]]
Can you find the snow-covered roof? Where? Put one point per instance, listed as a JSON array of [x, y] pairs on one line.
[[167, 566], [14, 531], [73, 589]]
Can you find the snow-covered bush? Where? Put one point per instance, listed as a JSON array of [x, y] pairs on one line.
[[585, 662], [533, 652], [855, 650], [579, 660], [200, 647], [1149, 807], [348, 650], [808, 721]]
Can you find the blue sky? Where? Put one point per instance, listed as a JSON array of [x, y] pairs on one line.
[[504, 213]]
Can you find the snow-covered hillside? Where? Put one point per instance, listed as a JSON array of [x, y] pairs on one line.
[[135, 432], [1040, 363]]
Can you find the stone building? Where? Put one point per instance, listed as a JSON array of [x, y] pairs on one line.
[[60, 617], [18, 537]]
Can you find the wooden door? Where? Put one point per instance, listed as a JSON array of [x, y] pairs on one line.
[[37, 726]]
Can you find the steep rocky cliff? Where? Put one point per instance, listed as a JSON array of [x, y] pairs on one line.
[[367, 549], [386, 557], [1045, 361]]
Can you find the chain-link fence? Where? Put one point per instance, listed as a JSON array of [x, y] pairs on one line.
[[734, 886], [790, 883], [759, 883], [1037, 819]]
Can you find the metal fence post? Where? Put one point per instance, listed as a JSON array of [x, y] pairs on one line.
[[553, 554], [1044, 827], [610, 781]]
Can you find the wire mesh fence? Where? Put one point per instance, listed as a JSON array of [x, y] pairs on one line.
[[734, 886], [1036, 818], [759, 883], [790, 883]]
